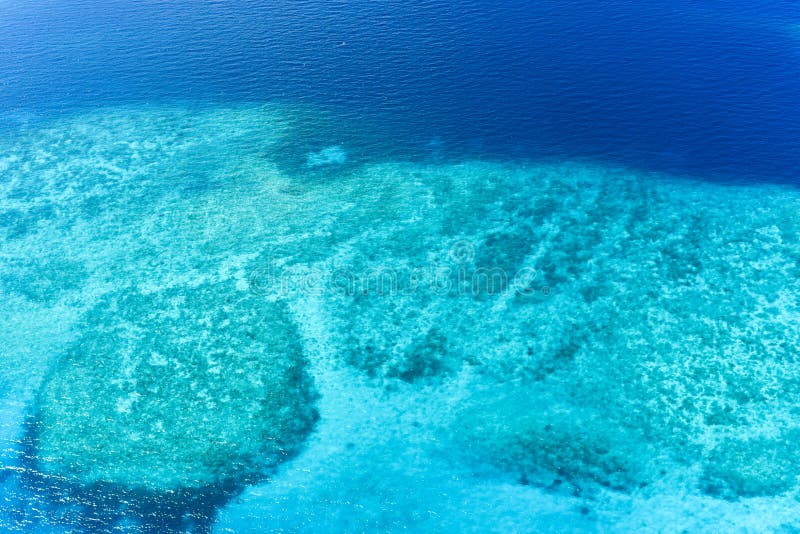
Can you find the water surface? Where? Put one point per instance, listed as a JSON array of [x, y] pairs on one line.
[[426, 266]]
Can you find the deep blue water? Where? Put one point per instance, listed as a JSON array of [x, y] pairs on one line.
[[705, 88]]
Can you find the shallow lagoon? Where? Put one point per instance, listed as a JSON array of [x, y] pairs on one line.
[[481, 344]]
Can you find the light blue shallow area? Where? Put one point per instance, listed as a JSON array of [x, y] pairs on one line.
[[462, 344]]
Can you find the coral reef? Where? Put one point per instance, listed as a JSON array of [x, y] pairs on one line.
[[185, 388], [623, 321]]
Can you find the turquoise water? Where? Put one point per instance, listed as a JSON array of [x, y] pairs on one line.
[[214, 322]]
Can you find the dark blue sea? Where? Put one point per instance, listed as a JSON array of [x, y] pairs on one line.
[[706, 88], [425, 266]]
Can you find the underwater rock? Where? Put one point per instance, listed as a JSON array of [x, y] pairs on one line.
[[186, 388]]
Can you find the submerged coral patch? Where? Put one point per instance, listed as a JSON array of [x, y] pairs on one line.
[[753, 467], [671, 303], [186, 388], [551, 443]]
